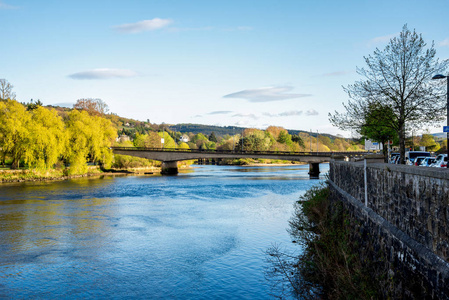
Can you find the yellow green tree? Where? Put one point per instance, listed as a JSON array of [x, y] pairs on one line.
[[89, 137], [150, 140], [168, 140], [14, 130], [428, 141], [47, 138]]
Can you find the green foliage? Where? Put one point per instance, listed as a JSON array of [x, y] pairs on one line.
[[130, 162], [15, 130], [183, 145], [253, 140], [168, 140], [47, 139], [40, 138], [213, 138], [300, 141], [34, 105], [330, 267], [150, 140], [428, 141]]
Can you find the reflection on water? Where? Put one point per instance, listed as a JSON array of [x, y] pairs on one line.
[[199, 235]]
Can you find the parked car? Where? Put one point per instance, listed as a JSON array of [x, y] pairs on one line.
[[393, 158], [426, 162], [417, 161], [411, 155], [440, 161]]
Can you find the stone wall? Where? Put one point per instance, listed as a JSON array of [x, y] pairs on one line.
[[406, 223]]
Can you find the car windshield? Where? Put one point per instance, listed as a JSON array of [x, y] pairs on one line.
[[413, 155]]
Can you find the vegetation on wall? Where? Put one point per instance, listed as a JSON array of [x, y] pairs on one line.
[[330, 266]]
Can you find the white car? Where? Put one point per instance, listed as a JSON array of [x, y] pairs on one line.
[[440, 161], [427, 162]]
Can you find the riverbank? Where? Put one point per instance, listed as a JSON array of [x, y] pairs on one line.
[[10, 176], [23, 175]]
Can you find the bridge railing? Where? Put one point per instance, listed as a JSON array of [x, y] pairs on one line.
[[213, 151]]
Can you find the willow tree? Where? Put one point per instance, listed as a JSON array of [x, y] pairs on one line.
[[397, 77], [89, 138], [14, 131], [47, 138]]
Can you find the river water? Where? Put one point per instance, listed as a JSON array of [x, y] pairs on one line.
[[199, 235]]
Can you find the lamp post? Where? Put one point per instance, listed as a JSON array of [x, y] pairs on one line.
[[439, 76]]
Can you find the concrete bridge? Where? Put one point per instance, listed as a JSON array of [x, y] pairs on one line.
[[170, 157]]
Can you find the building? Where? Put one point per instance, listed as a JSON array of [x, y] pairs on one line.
[[373, 146]]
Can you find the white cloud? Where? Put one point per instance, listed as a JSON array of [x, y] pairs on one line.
[[249, 116], [311, 112], [104, 73], [291, 113], [381, 39], [284, 114], [220, 112], [444, 43], [145, 25], [266, 94]]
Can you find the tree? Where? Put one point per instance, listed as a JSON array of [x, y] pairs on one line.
[[253, 140], [6, 90], [32, 105], [150, 140], [92, 106], [14, 130], [428, 141], [397, 77], [47, 138], [213, 138], [168, 140], [89, 137], [378, 125]]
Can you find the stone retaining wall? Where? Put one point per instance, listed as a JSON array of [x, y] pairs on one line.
[[406, 222]]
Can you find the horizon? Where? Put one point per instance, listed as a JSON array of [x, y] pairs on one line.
[[250, 64]]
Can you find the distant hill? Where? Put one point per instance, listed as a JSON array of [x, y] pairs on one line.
[[440, 135], [231, 130]]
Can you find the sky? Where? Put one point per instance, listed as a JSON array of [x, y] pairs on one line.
[[252, 63]]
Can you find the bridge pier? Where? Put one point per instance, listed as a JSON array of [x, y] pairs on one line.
[[314, 170], [169, 168]]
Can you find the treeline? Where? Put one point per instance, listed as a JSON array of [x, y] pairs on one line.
[[272, 139], [230, 130], [40, 138]]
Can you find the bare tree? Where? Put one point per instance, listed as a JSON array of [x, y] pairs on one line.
[[397, 77], [6, 90], [92, 106]]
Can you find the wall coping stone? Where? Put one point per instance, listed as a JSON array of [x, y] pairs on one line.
[[439, 173]]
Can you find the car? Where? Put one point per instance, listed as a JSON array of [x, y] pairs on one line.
[[411, 155], [440, 161], [426, 162], [417, 161], [393, 157]]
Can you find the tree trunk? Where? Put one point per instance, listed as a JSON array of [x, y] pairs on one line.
[[384, 151], [402, 143], [15, 164]]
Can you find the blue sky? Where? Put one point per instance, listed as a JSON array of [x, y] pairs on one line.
[[245, 63]]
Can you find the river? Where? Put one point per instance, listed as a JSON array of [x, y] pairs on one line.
[[199, 235]]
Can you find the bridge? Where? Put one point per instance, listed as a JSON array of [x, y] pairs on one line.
[[170, 156]]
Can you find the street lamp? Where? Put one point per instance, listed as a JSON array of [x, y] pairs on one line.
[[439, 76]]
